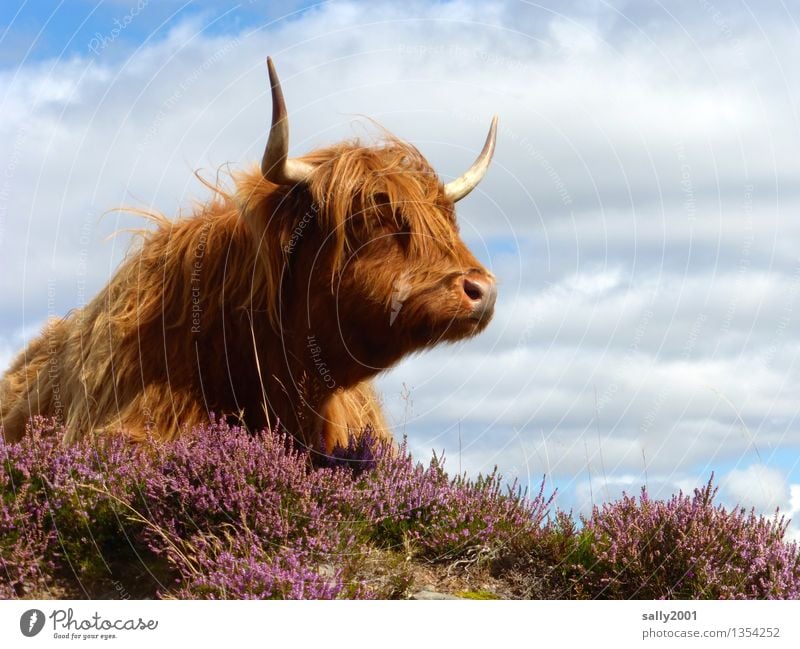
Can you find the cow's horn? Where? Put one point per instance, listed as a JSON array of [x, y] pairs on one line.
[[276, 165], [463, 185]]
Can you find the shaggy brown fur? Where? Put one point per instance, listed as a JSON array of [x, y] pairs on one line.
[[270, 304]]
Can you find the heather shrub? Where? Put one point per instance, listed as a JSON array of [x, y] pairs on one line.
[[441, 518], [223, 513], [688, 548], [362, 453], [554, 563], [55, 516], [218, 477], [69, 513], [242, 567]]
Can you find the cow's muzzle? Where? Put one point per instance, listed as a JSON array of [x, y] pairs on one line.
[[480, 294]]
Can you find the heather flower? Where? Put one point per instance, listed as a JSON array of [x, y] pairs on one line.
[[361, 453]]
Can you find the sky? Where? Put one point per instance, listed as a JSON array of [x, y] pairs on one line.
[[641, 211]]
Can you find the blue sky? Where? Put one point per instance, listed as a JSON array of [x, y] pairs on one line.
[[641, 211], [42, 30]]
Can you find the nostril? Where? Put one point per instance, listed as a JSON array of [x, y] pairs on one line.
[[474, 291]]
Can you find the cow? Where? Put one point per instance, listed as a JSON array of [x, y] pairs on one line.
[[274, 304]]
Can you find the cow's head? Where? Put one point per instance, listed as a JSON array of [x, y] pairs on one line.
[[373, 262]]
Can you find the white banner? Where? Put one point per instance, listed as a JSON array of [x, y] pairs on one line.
[[349, 624]]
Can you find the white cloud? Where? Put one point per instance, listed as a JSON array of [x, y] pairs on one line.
[[793, 533], [765, 489], [13, 342], [6, 356], [758, 486], [794, 499]]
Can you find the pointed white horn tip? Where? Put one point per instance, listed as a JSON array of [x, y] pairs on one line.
[[278, 104], [274, 82], [464, 184], [491, 140], [276, 165]]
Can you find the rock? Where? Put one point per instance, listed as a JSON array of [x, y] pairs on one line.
[[326, 570], [432, 594]]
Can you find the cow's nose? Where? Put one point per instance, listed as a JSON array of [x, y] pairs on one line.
[[480, 291]]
